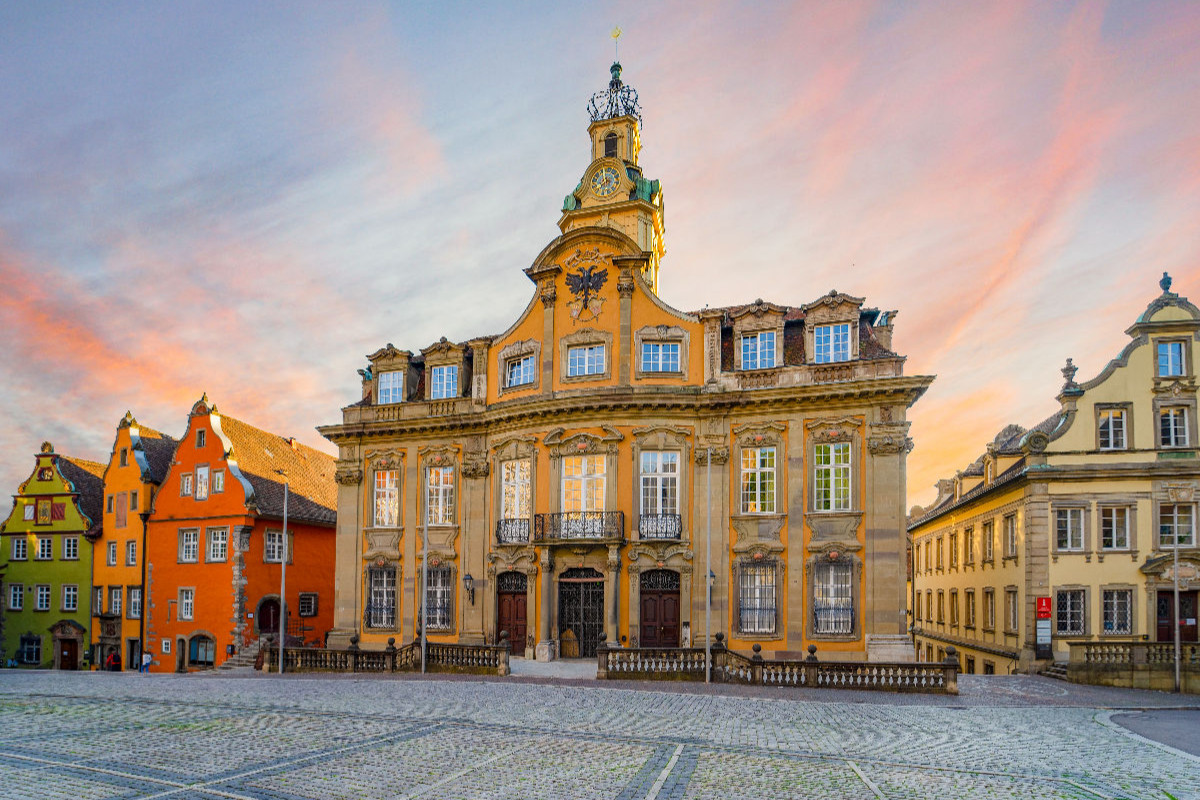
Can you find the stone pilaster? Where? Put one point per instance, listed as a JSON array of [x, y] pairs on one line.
[[347, 601], [549, 345], [545, 649], [241, 543]]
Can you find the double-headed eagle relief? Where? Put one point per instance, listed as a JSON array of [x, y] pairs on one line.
[[586, 273]]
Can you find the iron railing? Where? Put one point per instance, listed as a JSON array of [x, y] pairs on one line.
[[575, 526], [660, 526], [512, 531], [380, 615]]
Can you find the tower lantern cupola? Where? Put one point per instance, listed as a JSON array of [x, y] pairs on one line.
[[613, 192]]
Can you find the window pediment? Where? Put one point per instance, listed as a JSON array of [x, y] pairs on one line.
[[833, 307], [583, 443], [442, 352], [833, 429], [661, 437], [438, 456], [515, 447], [385, 459], [759, 434]]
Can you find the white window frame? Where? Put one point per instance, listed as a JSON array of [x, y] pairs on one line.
[[439, 598], [1114, 527], [585, 360], [185, 485], [189, 545], [70, 548], [20, 547], [1012, 603], [131, 552], [218, 481], [832, 484], [1010, 535], [110, 556], [1173, 426], [758, 598], [391, 387], [988, 535], [386, 506], [439, 495], [16, 597], [1169, 359], [831, 343], [45, 549], [116, 597], [1181, 517], [217, 549], [381, 594], [1111, 435], [1068, 537], [42, 597], [758, 480], [30, 512], [758, 350], [520, 371], [989, 609], [1070, 612], [661, 357], [443, 382], [134, 611], [833, 598], [187, 603], [659, 482], [1116, 612], [273, 547]]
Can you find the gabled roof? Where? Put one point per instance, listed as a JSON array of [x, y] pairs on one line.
[[260, 456], [160, 451], [88, 479]]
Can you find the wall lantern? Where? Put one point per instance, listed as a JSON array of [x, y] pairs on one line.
[[469, 585]]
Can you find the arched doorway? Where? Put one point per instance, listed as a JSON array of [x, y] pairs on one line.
[[268, 615], [581, 607], [659, 620], [511, 588]]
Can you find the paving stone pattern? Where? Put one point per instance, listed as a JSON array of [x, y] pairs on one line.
[[94, 735]]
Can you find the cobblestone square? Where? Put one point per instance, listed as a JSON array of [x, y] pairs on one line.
[[80, 736]]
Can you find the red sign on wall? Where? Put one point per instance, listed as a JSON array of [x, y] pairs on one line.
[[1043, 608]]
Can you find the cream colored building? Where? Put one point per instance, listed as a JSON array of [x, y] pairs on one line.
[[567, 470], [1084, 511]]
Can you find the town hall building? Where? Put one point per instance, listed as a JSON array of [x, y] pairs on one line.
[[567, 473]]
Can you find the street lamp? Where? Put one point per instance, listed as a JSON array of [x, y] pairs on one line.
[[711, 576], [283, 574]]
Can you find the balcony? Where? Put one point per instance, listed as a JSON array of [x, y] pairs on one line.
[[604, 527], [660, 526], [512, 531]]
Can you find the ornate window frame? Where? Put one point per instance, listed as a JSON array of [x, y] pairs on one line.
[[834, 308], [664, 438], [383, 540], [514, 350], [586, 337], [583, 443], [661, 334], [841, 553], [758, 317], [759, 556], [764, 527], [389, 359], [513, 448], [441, 536], [444, 353], [397, 570]]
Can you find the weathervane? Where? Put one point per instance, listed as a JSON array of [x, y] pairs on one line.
[[618, 100], [616, 35]]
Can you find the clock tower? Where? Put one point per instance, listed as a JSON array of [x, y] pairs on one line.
[[613, 192]]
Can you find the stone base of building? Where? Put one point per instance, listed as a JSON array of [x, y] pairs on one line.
[[339, 639], [890, 648], [546, 651]]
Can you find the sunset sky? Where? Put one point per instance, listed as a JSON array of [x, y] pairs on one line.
[[247, 198]]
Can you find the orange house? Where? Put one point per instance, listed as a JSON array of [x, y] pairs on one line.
[[215, 544], [136, 467]]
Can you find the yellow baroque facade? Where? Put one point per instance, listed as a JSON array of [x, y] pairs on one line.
[[566, 473], [1077, 522]]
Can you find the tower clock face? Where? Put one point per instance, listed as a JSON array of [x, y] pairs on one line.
[[605, 181]]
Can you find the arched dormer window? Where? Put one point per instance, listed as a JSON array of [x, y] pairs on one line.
[[610, 146]]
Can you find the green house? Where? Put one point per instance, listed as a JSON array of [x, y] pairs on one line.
[[46, 563]]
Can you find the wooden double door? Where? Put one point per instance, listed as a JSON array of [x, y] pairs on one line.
[[511, 600], [659, 620], [1187, 616]]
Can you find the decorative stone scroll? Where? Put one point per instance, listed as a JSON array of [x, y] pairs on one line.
[[583, 443]]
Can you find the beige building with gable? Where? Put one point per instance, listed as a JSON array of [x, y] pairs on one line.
[[1086, 511]]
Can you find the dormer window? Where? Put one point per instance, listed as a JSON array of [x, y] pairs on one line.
[[443, 382], [831, 343], [391, 387], [1170, 359], [610, 146], [758, 350]]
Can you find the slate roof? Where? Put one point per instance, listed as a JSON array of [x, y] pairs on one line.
[[1009, 475], [88, 479], [259, 455], [160, 451]]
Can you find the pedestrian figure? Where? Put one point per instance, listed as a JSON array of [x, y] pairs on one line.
[[146, 659]]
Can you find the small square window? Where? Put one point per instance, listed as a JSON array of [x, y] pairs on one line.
[[758, 350], [1112, 429], [391, 387], [444, 383], [308, 604], [520, 371], [28, 516], [166, 647]]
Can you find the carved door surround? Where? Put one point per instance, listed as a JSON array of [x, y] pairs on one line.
[[524, 560], [651, 555]]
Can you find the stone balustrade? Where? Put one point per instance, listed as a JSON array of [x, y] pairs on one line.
[[1134, 663], [463, 658]]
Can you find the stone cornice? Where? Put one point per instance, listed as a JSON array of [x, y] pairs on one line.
[[569, 406]]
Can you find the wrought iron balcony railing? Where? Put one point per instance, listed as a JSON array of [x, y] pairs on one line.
[[573, 526], [512, 531], [660, 526]]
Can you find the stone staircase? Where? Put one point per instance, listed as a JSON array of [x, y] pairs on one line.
[[244, 660], [1056, 670]]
